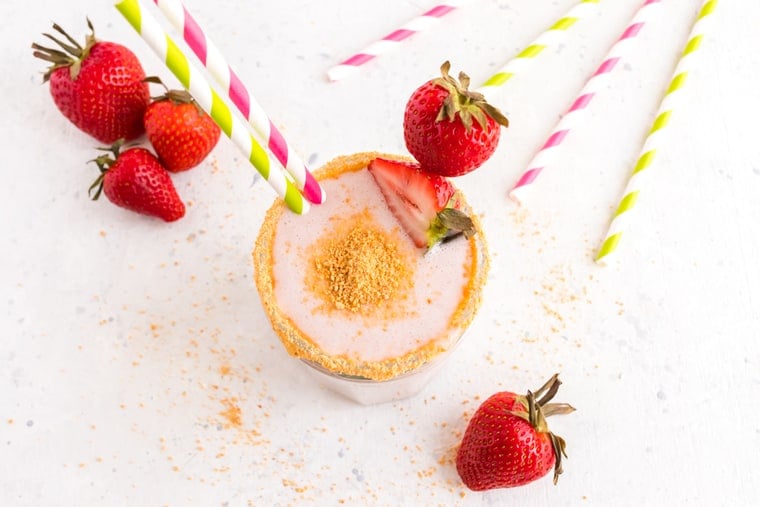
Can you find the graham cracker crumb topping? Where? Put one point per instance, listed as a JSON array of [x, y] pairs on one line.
[[360, 266]]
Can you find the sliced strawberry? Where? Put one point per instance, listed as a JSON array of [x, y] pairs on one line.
[[423, 203]]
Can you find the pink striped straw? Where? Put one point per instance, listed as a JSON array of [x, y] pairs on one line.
[[418, 24], [211, 58], [594, 84]]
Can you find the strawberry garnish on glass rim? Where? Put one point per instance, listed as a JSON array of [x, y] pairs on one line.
[[426, 205]]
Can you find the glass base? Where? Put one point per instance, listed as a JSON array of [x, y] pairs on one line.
[[372, 392]]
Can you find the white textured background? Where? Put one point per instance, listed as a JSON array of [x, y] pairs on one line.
[[124, 340]]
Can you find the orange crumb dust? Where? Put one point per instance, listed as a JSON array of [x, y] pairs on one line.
[[232, 413]]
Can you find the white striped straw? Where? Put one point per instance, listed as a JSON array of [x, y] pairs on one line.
[[390, 41], [204, 94], [653, 140], [548, 151], [552, 37], [207, 52]]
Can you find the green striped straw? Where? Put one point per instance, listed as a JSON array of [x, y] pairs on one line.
[[193, 80], [550, 38], [654, 137]]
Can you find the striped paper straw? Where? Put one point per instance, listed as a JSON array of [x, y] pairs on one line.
[[206, 51], [594, 84], [653, 140], [204, 94], [550, 38], [418, 24]]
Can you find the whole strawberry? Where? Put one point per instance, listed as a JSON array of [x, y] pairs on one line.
[[449, 129], [508, 443], [180, 131], [134, 179], [99, 86]]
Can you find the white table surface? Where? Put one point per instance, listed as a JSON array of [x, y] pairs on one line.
[[125, 340]]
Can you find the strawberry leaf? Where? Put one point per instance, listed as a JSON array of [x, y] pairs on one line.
[[465, 103], [558, 444], [457, 221]]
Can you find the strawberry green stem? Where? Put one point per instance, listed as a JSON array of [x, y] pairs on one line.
[[104, 163], [466, 104], [176, 96], [549, 385], [551, 390], [558, 444], [538, 411], [69, 55], [75, 49]]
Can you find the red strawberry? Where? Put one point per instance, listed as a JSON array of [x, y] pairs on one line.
[[179, 130], [98, 87], [424, 204], [134, 179], [439, 130], [508, 443]]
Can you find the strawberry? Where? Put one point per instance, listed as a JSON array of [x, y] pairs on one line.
[[507, 442], [426, 205], [179, 130], [439, 130], [98, 87], [134, 179]]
